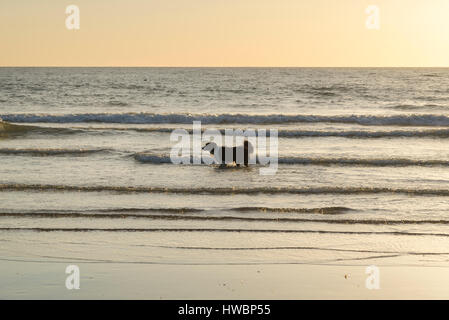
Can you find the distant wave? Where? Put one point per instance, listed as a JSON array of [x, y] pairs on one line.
[[117, 103], [434, 133], [142, 118], [323, 90], [51, 152], [393, 162], [420, 107], [224, 190], [356, 134], [436, 75], [393, 233]]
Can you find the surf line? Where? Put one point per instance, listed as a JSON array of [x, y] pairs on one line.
[[187, 145]]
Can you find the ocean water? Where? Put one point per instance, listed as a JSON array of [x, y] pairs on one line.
[[363, 175]]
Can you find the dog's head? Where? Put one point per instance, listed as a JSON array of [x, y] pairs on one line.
[[210, 147]]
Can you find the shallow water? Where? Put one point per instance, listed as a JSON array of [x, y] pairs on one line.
[[85, 172]]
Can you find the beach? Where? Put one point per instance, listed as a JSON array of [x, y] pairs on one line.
[[33, 280], [87, 179]]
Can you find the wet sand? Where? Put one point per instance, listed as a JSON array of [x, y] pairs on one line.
[[44, 280]]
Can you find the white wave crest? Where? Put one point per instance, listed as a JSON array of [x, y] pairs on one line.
[[165, 159], [149, 118]]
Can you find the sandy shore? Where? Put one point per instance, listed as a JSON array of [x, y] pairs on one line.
[[44, 280]]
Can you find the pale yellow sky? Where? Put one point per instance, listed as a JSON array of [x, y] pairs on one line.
[[225, 33]]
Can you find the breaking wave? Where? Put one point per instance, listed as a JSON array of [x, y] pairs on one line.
[[153, 158], [148, 118]]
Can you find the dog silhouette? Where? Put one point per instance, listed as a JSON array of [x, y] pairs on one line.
[[238, 153]]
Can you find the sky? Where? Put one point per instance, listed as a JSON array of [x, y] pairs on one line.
[[225, 33]]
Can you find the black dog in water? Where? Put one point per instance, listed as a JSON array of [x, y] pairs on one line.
[[238, 153]]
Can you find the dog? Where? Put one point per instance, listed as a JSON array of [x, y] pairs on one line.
[[246, 149]]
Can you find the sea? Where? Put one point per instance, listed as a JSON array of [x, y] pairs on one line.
[[362, 177]]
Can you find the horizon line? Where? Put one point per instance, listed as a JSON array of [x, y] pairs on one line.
[[299, 67]]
